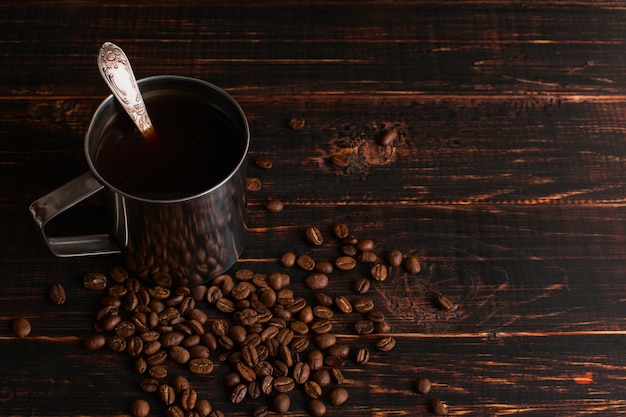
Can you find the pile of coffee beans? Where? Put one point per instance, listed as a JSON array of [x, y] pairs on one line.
[[272, 340]]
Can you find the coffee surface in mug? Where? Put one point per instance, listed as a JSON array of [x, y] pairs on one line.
[[195, 148]]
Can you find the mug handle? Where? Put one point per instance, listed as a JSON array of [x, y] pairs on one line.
[[49, 206]]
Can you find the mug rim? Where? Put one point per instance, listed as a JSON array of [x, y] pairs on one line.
[[109, 101]]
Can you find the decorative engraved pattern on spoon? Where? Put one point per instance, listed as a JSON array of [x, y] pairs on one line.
[[118, 74]]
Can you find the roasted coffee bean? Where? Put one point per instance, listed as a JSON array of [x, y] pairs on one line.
[[158, 372], [242, 291], [225, 342], [324, 300], [315, 359], [253, 184], [363, 305], [203, 407], [149, 385], [316, 408], [179, 354], [124, 329], [301, 372], [438, 407], [249, 355], [225, 305], [379, 272], [232, 379], [140, 408], [156, 358], [338, 396], [254, 389], [299, 327], [316, 281], [167, 394], [57, 294], [314, 235], [296, 123], [323, 312], [118, 290], [94, 341], [283, 384], [306, 315], [288, 259], [116, 343], [339, 350], [313, 389], [201, 366], [321, 326], [173, 338], [281, 403], [305, 262], [95, 281], [260, 411], [109, 310], [387, 137], [376, 316], [337, 375], [216, 413], [365, 245], [345, 263], [334, 362], [267, 384], [174, 411], [422, 386], [412, 265], [368, 257], [246, 372], [445, 303], [394, 258], [343, 304], [180, 383], [263, 369], [362, 285], [362, 356], [325, 340], [274, 205], [188, 399], [263, 162], [280, 369], [238, 394], [386, 344], [213, 294], [382, 327], [299, 345], [349, 250], [159, 293], [278, 281], [322, 377], [284, 353], [341, 230], [134, 346]]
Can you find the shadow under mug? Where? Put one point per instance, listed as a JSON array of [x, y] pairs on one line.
[[183, 241]]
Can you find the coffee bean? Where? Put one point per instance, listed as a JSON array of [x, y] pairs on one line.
[[267, 384], [296, 123], [134, 346], [288, 259], [263, 162], [349, 250], [283, 384], [379, 272], [238, 394], [188, 399], [316, 408], [301, 372], [174, 411], [254, 389], [116, 343], [260, 411], [438, 407], [156, 358], [343, 304], [422, 386], [149, 385], [306, 262], [362, 356], [246, 372], [339, 350], [313, 389], [203, 407], [363, 305], [216, 413], [180, 383], [95, 281], [412, 265], [345, 263], [368, 257], [316, 281], [281, 403], [338, 396], [394, 258], [388, 137], [325, 340], [322, 377], [341, 230], [57, 294], [382, 327], [167, 394], [201, 366], [253, 185], [321, 326], [362, 285], [386, 344], [324, 299], [179, 354], [274, 205], [334, 362], [365, 245], [314, 236], [158, 372], [94, 341], [140, 408]]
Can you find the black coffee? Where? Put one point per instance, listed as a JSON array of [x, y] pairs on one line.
[[195, 148]]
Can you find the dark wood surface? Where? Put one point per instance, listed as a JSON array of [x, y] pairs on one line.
[[507, 181]]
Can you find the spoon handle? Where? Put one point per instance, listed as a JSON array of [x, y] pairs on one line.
[[118, 74]]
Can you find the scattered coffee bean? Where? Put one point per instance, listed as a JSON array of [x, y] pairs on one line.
[[203, 407], [281, 403], [288, 259], [274, 205], [253, 185], [379, 272], [316, 408], [343, 304], [316, 281], [362, 356], [201, 366], [412, 265], [340, 160], [394, 258], [21, 327], [260, 411], [438, 407], [263, 162], [422, 386], [296, 123], [95, 281], [314, 235], [140, 408], [338, 396], [345, 263], [167, 394], [94, 341], [341, 230], [386, 344], [57, 294], [306, 262]]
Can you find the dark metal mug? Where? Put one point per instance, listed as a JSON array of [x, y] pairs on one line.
[[185, 241]]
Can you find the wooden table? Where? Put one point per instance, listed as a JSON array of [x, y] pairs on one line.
[[506, 180]]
